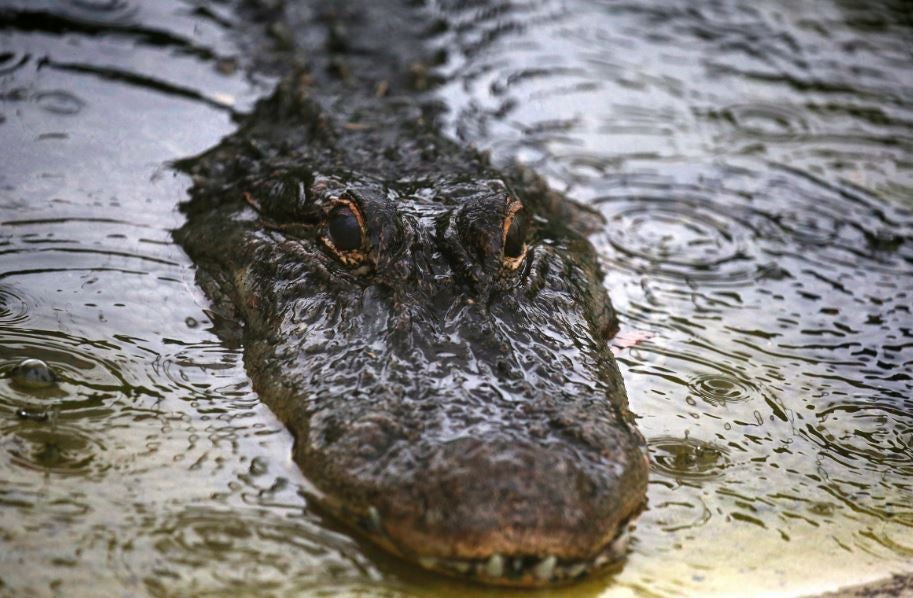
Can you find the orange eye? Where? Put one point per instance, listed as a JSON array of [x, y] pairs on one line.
[[513, 239], [345, 234], [345, 229]]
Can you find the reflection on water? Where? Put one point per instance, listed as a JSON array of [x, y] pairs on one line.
[[754, 165]]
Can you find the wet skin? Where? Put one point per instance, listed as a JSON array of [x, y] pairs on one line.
[[433, 331]]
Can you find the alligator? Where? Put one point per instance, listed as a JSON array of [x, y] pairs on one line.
[[432, 329]]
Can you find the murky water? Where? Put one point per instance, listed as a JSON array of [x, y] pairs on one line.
[[755, 169]]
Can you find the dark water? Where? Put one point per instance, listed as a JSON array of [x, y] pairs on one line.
[[755, 169]]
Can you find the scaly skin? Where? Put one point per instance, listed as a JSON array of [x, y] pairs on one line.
[[448, 382]]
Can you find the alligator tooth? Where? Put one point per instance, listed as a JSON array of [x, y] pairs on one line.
[[546, 568], [621, 543], [601, 560], [517, 564], [461, 566], [576, 570], [374, 519], [495, 566], [428, 562]]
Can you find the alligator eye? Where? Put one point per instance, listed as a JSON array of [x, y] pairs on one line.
[[514, 238], [514, 235], [345, 229]]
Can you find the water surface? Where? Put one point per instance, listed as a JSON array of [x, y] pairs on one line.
[[755, 169]]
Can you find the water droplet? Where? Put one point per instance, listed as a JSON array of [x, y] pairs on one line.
[[78, 379], [61, 450], [35, 416], [719, 389], [33, 373], [688, 458], [258, 466]]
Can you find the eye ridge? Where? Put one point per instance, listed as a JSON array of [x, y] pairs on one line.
[[513, 236], [345, 232]]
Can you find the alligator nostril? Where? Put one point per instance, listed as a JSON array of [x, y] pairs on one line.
[[355, 443], [371, 436]]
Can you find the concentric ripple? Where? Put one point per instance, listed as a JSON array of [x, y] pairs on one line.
[[87, 380], [14, 305], [70, 362], [830, 224], [683, 239], [688, 458], [867, 435], [99, 11], [199, 369], [724, 225], [718, 388], [249, 550], [52, 449], [765, 122], [60, 102], [686, 509]]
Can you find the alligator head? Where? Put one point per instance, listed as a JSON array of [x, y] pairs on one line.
[[432, 331]]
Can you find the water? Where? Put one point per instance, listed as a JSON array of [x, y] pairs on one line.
[[755, 169]]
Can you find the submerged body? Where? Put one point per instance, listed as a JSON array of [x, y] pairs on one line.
[[432, 330]]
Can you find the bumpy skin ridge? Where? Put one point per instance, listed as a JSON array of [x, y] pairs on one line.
[[461, 412]]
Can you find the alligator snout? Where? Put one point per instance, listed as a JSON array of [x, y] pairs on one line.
[[514, 512], [545, 495]]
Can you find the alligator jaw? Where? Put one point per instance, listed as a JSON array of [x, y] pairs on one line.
[[521, 570], [529, 547], [507, 569]]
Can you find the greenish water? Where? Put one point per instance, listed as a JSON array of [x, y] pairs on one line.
[[755, 169]]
